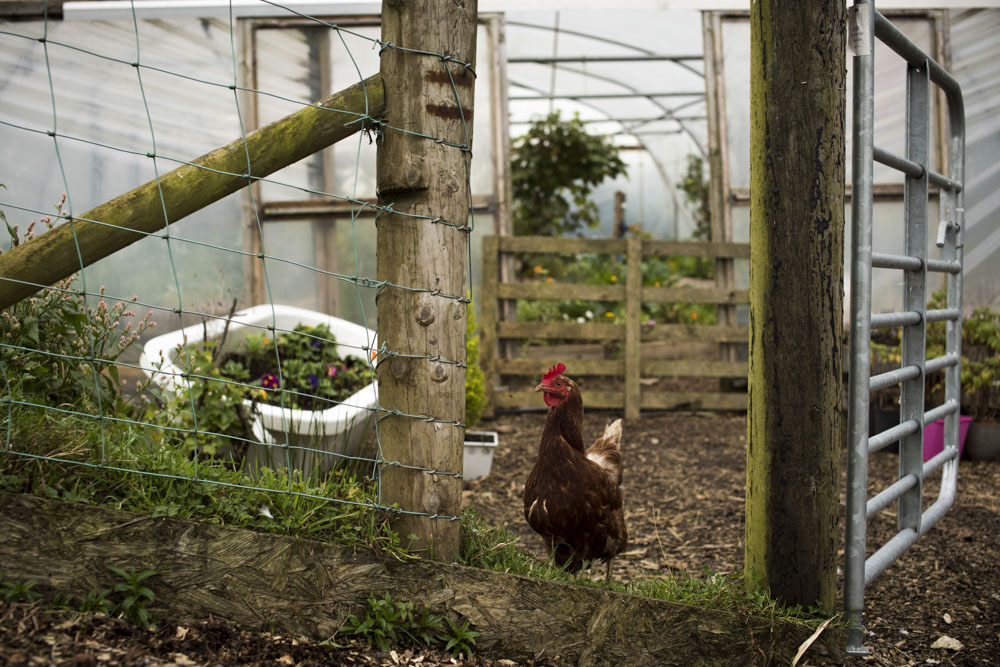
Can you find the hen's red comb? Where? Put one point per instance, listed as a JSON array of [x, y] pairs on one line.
[[558, 369]]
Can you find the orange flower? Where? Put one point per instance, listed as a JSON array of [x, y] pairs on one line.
[[614, 279], [538, 269], [694, 316], [550, 279]]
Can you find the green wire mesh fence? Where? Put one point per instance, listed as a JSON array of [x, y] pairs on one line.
[[271, 397]]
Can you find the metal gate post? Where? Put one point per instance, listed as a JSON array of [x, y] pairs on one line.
[[862, 35]]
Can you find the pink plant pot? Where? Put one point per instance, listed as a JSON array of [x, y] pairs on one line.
[[934, 437]]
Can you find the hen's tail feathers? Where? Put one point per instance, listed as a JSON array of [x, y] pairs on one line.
[[614, 431], [606, 451]]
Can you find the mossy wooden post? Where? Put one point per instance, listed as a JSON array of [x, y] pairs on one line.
[[422, 311], [489, 316], [796, 281], [633, 314], [133, 216]]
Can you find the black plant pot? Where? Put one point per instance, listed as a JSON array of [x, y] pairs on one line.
[[880, 419], [983, 442]]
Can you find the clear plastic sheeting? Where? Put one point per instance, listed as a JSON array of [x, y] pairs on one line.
[[653, 106]]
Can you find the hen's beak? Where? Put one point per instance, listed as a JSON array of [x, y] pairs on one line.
[[540, 387]]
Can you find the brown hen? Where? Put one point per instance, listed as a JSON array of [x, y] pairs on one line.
[[573, 497]]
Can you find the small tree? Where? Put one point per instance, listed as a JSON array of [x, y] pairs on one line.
[[695, 189], [554, 168]]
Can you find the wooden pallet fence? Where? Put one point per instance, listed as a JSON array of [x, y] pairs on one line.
[[634, 364]]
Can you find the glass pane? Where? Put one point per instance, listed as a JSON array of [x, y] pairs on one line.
[[352, 59], [287, 69], [890, 98], [107, 124], [736, 91], [356, 257]]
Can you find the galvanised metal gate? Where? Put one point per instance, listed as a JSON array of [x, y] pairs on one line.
[[865, 26]]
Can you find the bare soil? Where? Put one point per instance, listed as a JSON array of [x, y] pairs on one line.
[[684, 487], [684, 500]]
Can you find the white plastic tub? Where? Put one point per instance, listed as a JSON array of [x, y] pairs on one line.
[[477, 455], [341, 429]]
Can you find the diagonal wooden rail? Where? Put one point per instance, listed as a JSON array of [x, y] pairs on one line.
[[133, 216]]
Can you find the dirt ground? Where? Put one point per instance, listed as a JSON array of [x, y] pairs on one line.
[[684, 502], [684, 486]]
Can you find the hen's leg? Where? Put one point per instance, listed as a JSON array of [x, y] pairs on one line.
[[607, 577]]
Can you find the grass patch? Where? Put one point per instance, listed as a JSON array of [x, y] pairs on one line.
[[495, 548], [72, 458], [290, 504]]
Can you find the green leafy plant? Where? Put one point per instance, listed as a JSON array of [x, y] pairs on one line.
[[180, 486], [386, 622], [475, 380], [208, 416], [980, 375], [133, 595], [694, 185], [97, 601], [461, 638], [17, 591], [63, 601], [58, 350], [603, 270], [554, 168], [981, 365]]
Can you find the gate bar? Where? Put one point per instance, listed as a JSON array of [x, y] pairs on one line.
[[904, 262], [911, 168], [894, 434], [893, 377], [943, 265], [887, 320]]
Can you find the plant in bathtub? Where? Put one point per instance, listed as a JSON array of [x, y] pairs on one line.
[[302, 383], [299, 369]]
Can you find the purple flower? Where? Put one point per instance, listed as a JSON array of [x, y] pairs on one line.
[[331, 371], [269, 381], [313, 381], [316, 344]]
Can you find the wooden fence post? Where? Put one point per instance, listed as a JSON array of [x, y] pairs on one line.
[[488, 318], [796, 278], [421, 255], [633, 310]]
